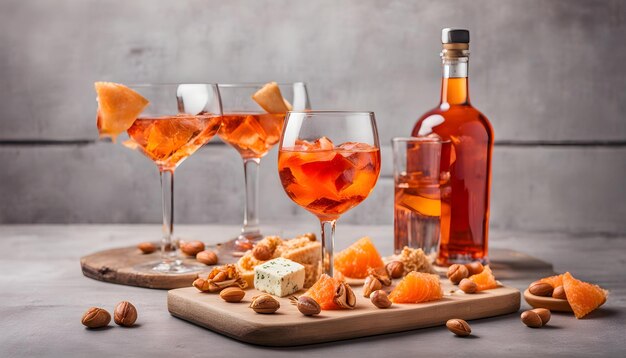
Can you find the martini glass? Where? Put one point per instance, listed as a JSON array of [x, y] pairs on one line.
[[252, 131], [179, 119], [328, 163]]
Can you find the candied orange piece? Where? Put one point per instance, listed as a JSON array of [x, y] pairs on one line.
[[484, 280], [554, 281], [358, 258], [118, 107], [270, 99], [583, 297], [417, 287], [323, 292]]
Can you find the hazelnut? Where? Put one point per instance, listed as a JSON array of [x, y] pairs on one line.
[[265, 304], [559, 292], [544, 314], [531, 319], [380, 299], [395, 269], [192, 248], [147, 247], [96, 317], [262, 252], [541, 289], [468, 286], [311, 236], [125, 314], [474, 268], [308, 306], [456, 273], [207, 257], [370, 285], [232, 294], [458, 327]]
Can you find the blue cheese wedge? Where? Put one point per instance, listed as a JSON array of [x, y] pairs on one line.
[[279, 277]]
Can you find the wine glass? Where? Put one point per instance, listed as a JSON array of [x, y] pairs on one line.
[[328, 163], [253, 128], [179, 119]]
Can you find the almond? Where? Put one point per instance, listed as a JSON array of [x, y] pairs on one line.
[[559, 293], [192, 248], [531, 319], [147, 247], [232, 294], [541, 289], [207, 257], [459, 327]]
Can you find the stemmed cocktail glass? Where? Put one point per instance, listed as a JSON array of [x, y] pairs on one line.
[[328, 162], [178, 119], [254, 114]]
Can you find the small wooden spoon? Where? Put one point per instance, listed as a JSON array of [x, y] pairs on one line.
[[553, 304]]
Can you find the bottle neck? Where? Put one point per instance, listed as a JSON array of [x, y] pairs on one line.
[[454, 82]]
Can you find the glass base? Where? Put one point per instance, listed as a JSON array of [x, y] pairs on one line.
[[231, 250], [171, 268], [462, 260]]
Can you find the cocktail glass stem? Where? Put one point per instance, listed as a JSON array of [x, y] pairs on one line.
[[169, 253], [250, 230], [328, 243]]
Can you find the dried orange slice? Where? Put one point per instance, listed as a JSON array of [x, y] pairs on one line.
[[554, 281], [583, 297], [358, 258], [271, 100], [323, 292], [417, 287], [484, 280], [118, 107]]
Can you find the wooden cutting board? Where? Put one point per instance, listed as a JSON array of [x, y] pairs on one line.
[[288, 327], [120, 266]]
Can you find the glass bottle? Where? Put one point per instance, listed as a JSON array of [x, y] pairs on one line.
[[465, 205]]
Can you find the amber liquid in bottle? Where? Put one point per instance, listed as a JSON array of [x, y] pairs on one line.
[[464, 230]]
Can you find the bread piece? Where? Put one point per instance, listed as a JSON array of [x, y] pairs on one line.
[[413, 260]]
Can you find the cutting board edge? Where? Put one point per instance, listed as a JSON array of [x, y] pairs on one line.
[[275, 335]]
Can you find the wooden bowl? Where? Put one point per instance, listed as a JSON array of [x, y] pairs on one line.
[[553, 304]]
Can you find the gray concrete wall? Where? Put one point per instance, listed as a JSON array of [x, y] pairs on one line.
[[550, 75]]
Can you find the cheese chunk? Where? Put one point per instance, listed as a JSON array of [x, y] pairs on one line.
[[280, 277]]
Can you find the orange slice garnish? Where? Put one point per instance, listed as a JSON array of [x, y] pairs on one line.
[[118, 107], [271, 100]]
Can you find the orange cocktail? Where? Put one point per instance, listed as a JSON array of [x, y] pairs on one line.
[[252, 134], [328, 180], [169, 140]]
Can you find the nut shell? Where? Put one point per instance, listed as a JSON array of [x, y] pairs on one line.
[[370, 285], [125, 314], [559, 292], [147, 247], [456, 273], [232, 294], [207, 257], [459, 327], [96, 317], [544, 314], [531, 319], [468, 286], [308, 306], [380, 299], [264, 304], [395, 269], [262, 252], [192, 248], [541, 289]]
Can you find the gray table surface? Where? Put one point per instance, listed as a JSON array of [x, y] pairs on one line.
[[44, 294]]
